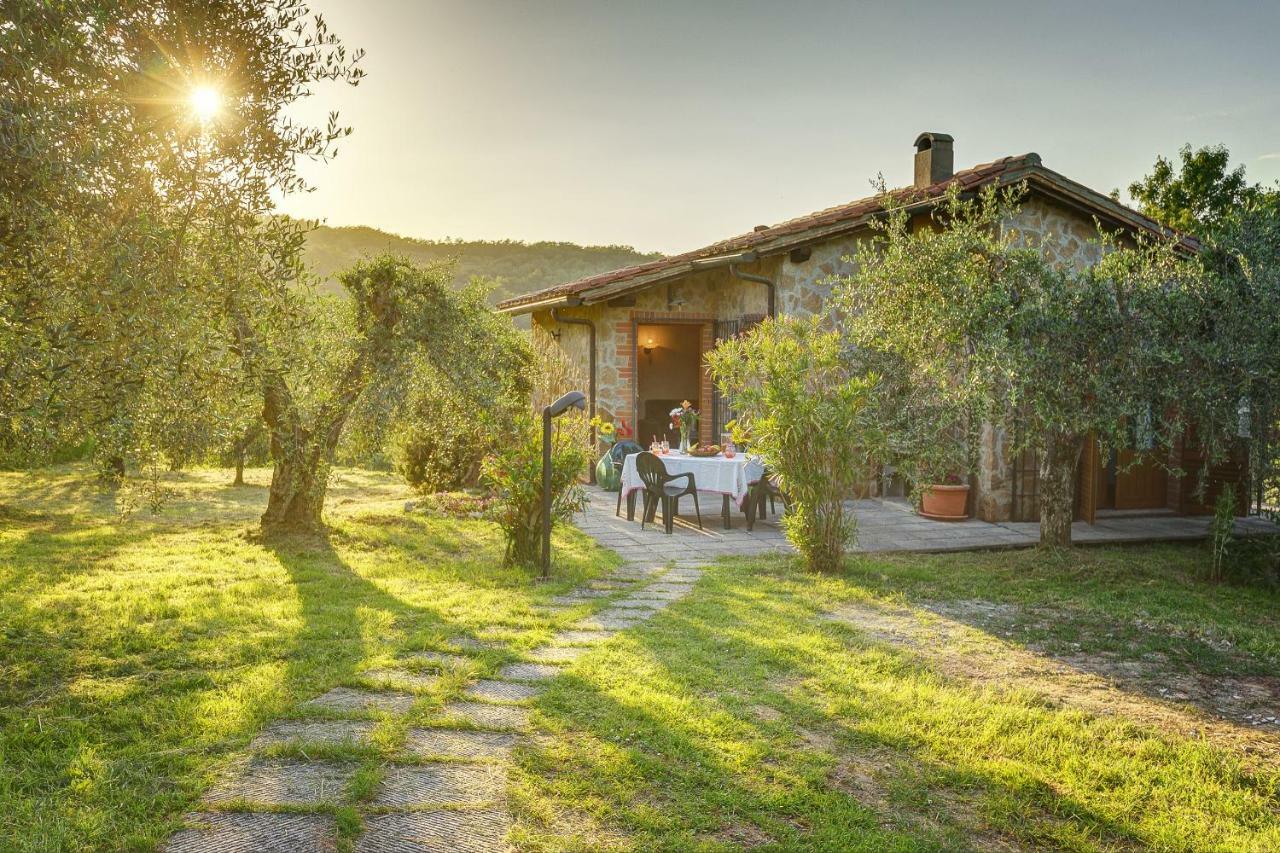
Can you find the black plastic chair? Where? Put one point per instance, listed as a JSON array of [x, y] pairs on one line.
[[659, 486], [766, 488], [618, 456]]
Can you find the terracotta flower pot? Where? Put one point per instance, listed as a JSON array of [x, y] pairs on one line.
[[945, 503]]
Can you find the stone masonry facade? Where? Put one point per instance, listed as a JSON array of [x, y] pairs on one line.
[[803, 288]]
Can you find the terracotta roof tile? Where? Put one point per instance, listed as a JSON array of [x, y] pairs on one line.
[[851, 213]]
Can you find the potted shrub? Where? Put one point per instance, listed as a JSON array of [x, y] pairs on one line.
[[945, 501], [935, 450]]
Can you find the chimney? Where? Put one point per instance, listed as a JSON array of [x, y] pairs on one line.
[[935, 161]]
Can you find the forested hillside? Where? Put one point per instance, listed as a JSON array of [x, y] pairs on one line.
[[521, 267]]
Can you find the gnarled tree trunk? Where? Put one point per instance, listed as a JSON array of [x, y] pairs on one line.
[[1058, 460], [299, 479], [302, 455], [241, 449]]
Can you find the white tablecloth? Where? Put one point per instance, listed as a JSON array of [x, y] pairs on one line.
[[710, 473]]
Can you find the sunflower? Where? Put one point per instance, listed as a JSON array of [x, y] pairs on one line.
[[607, 428]]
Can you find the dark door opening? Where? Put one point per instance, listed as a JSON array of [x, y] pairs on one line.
[[668, 372]]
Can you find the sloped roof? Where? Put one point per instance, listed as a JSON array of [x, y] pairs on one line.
[[838, 220]]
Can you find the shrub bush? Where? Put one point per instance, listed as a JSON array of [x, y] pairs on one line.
[[440, 446], [514, 474], [815, 411]]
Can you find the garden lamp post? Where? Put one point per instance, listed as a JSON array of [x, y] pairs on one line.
[[559, 407]]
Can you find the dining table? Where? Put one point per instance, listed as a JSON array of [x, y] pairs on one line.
[[730, 477]]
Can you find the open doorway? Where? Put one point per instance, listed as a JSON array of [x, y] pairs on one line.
[[668, 371]]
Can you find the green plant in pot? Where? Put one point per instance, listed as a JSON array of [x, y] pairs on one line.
[[934, 449], [608, 433]]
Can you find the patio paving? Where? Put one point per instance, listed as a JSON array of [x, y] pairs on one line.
[[883, 526]]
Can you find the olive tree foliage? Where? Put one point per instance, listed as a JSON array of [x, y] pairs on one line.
[[121, 212], [1237, 335], [816, 410], [1200, 195], [400, 318], [985, 325], [1243, 258], [437, 430]]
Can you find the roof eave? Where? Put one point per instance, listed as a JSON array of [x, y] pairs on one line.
[[563, 300]]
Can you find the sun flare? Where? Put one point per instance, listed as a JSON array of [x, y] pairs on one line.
[[205, 101]]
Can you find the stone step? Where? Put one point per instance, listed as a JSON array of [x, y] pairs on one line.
[[493, 690], [255, 832], [486, 716], [458, 743], [327, 732], [461, 831], [415, 787], [283, 783], [353, 699], [528, 672]]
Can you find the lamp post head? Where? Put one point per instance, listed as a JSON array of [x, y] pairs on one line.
[[574, 399]]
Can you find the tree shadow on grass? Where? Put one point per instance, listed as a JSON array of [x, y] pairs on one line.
[[665, 745], [346, 617]]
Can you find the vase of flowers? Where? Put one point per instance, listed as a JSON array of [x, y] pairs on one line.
[[685, 419], [608, 433]]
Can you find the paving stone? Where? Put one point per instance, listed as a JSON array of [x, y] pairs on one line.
[[606, 585], [652, 594], [502, 691], [488, 716], [458, 743], [350, 699], [248, 832], [440, 785], [469, 831], [528, 672], [677, 588], [284, 783], [602, 624], [442, 660], [401, 678], [614, 613], [581, 637], [467, 643], [633, 573], [582, 595], [314, 731], [640, 604], [557, 654], [557, 608]]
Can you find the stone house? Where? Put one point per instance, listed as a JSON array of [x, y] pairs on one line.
[[641, 332]]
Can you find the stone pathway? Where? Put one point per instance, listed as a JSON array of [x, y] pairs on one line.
[[445, 789]]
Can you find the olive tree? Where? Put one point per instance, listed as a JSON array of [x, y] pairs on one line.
[[401, 317], [989, 326], [121, 205]]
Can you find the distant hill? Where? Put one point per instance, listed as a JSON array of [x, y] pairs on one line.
[[520, 267]]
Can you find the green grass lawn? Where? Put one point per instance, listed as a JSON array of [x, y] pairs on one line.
[[975, 701], [1005, 700], [138, 658]]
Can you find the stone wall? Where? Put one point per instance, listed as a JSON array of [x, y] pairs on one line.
[[1065, 237]]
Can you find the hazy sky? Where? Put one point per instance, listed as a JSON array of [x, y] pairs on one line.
[[669, 125]]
